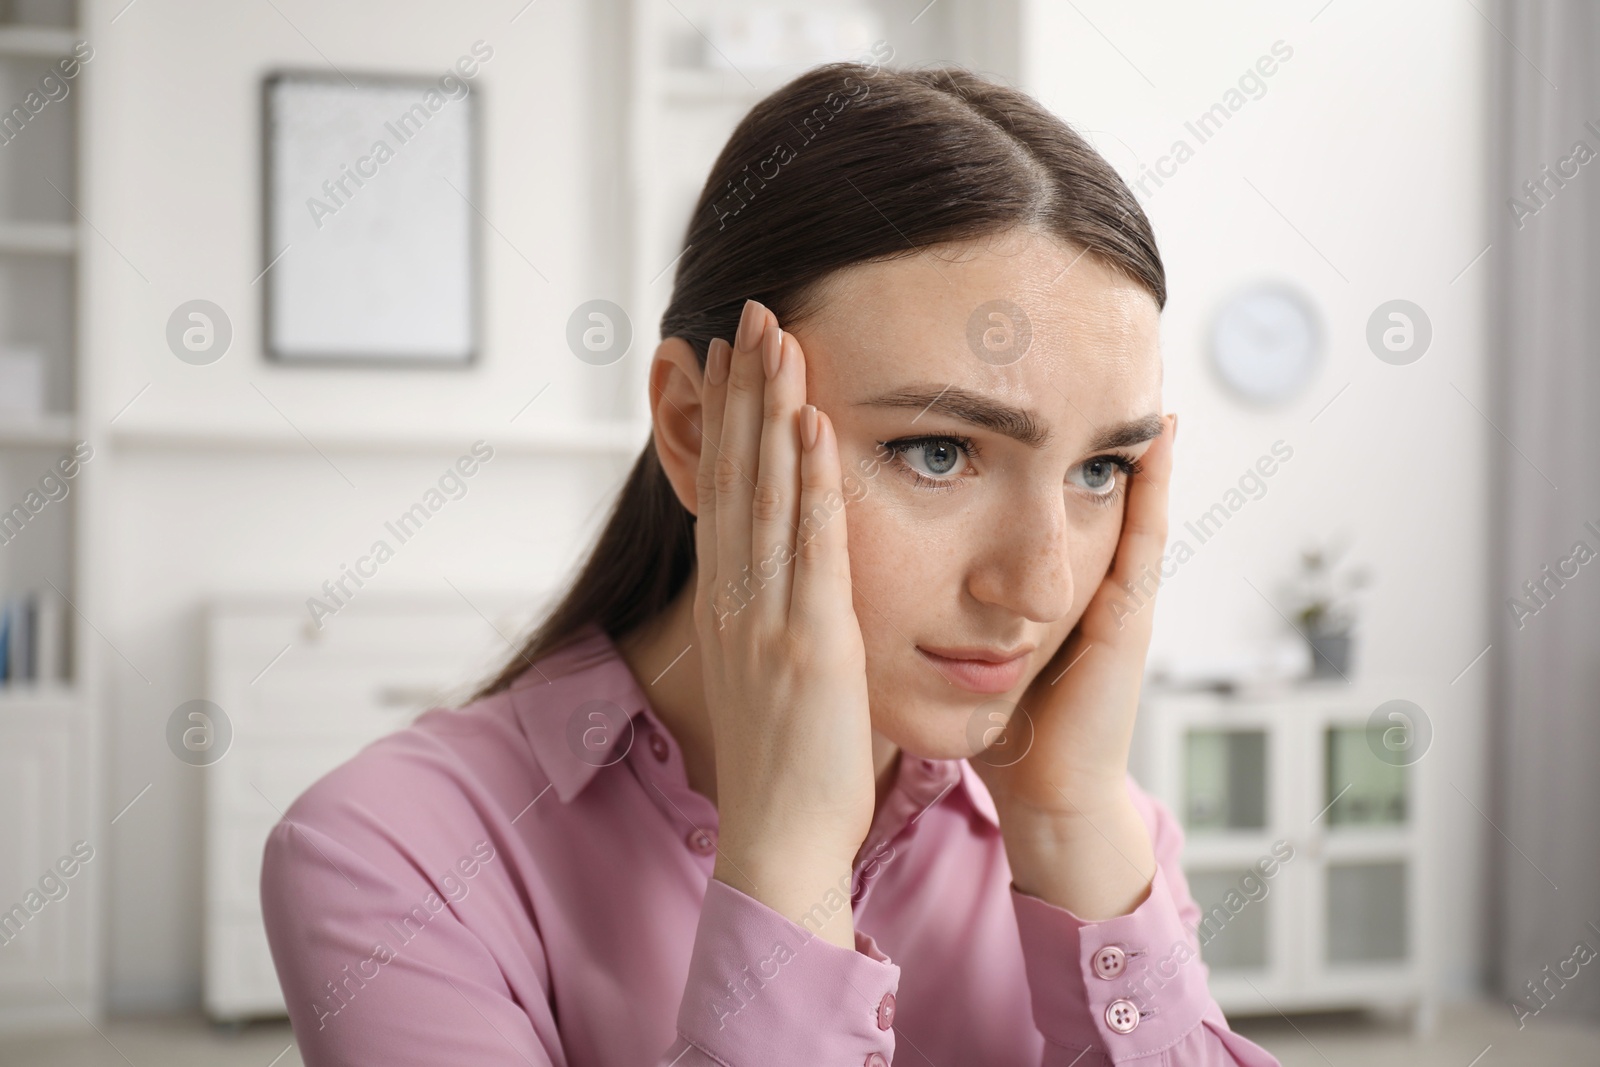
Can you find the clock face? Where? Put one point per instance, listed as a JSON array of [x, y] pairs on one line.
[[1265, 343]]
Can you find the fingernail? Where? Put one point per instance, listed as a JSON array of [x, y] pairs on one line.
[[746, 337], [772, 351], [717, 361], [808, 426]]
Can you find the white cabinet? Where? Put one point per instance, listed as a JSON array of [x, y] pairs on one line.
[[1305, 814], [299, 701]]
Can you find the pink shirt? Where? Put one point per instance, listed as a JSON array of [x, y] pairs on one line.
[[509, 884]]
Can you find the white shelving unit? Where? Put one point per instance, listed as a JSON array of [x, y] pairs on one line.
[[50, 735], [1341, 921]]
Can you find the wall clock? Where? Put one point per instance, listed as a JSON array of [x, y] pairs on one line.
[[1266, 342]]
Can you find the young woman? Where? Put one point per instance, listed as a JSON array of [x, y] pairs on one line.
[[823, 758]]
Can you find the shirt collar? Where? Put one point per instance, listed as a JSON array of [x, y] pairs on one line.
[[580, 707]]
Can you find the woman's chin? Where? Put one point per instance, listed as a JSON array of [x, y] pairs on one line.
[[937, 730]]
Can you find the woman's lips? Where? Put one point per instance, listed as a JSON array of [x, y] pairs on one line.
[[980, 676]]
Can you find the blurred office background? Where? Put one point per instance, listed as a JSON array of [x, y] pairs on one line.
[[1377, 221]]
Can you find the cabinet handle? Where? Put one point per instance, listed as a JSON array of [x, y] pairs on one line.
[[408, 696]]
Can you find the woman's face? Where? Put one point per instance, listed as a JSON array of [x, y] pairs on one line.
[[1000, 544]]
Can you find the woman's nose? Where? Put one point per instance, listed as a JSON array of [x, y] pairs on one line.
[[1026, 565]]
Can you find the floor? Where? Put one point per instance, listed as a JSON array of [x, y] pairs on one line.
[[1478, 1035], [1483, 1035]]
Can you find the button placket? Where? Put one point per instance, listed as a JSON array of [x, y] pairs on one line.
[[916, 798], [692, 816]]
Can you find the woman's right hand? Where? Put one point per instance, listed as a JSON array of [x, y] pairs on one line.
[[781, 651]]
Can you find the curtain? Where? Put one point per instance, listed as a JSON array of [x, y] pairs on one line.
[[1544, 181]]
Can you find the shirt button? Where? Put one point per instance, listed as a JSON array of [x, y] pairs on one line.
[[699, 841], [658, 747], [1122, 1016], [1110, 961], [877, 1060], [886, 1011]]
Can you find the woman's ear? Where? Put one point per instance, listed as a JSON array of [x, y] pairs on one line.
[[676, 381]]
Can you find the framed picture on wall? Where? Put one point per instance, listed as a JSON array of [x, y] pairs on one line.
[[370, 238]]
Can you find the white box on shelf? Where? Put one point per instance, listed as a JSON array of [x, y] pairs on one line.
[[778, 37], [21, 381]]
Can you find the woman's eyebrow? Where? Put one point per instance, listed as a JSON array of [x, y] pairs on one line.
[[1020, 424]]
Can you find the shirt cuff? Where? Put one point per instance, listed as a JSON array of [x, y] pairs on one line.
[[1131, 985], [763, 990]]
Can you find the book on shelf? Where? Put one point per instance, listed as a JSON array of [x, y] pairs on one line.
[[31, 638]]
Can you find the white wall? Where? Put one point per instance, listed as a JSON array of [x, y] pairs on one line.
[[1370, 140]]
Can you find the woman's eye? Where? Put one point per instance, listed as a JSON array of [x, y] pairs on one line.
[[939, 457], [1100, 476], [933, 461]]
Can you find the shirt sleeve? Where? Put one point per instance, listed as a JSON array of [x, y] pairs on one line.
[[764, 990], [761, 990], [356, 1000], [1131, 989]]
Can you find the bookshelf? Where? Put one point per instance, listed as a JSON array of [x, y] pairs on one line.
[[50, 746]]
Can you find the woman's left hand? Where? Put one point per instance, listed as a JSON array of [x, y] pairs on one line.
[[1058, 772]]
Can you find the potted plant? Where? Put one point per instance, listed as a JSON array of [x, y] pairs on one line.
[[1325, 614]]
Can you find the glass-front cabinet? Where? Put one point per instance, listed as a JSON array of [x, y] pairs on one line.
[[1301, 811]]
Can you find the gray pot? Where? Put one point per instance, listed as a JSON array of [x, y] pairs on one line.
[[1330, 654]]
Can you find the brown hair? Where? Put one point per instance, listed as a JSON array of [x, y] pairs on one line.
[[847, 163]]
